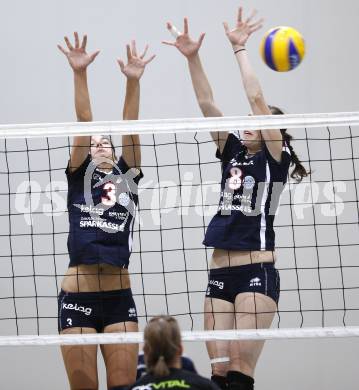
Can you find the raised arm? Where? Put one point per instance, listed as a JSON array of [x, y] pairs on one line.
[[238, 38], [190, 49], [131, 149], [79, 61]]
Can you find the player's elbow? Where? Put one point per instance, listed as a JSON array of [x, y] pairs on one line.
[[255, 97]]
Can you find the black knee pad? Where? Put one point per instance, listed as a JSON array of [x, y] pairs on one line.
[[220, 381], [122, 387], [239, 381]]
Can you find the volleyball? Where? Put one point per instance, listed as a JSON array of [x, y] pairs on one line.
[[282, 48]]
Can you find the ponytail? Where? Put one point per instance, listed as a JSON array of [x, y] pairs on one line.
[[161, 367], [299, 170], [162, 338]]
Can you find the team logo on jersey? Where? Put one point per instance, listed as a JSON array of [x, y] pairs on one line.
[[255, 282], [132, 312], [248, 182]]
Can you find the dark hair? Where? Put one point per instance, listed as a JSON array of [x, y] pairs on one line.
[[162, 338], [299, 171]]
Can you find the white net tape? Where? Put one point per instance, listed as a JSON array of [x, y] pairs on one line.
[[180, 125], [187, 336]]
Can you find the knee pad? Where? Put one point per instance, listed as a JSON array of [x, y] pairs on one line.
[[239, 381], [220, 381]]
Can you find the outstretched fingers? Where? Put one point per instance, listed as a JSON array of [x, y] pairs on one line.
[[185, 25], [84, 42], [121, 63], [240, 15], [144, 52], [94, 55], [129, 54], [150, 59], [62, 50], [200, 39], [226, 27], [256, 26], [68, 44], [169, 26], [169, 43], [77, 41], [133, 48], [173, 30], [251, 16]]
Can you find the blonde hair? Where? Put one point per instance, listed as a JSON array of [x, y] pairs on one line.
[[162, 338]]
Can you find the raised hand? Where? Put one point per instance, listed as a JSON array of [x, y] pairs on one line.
[[184, 43], [243, 30], [78, 59], [135, 64]]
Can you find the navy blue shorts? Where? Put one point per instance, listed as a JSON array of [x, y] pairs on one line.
[[95, 309], [226, 283]]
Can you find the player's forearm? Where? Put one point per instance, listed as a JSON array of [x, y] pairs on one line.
[[250, 81], [202, 87], [131, 151], [82, 97], [131, 107]]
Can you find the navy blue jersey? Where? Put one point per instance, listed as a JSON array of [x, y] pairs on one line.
[[186, 363], [250, 191], [101, 210]]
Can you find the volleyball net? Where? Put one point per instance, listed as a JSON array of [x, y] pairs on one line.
[[317, 234]]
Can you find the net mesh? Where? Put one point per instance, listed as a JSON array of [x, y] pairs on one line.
[[316, 225]]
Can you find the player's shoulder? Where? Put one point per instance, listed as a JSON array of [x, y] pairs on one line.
[[177, 378], [197, 381], [143, 383]]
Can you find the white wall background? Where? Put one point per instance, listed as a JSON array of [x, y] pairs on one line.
[[36, 86]]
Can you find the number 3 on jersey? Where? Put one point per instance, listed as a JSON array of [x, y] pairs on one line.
[[235, 181], [109, 198]]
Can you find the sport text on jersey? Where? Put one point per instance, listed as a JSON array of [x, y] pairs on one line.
[[169, 384]]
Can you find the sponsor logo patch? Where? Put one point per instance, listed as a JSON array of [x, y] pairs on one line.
[[132, 312], [69, 306], [220, 285], [255, 282], [248, 182]]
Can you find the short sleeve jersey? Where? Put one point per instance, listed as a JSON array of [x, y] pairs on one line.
[[177, 379], [101, 208], [251, 186]]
